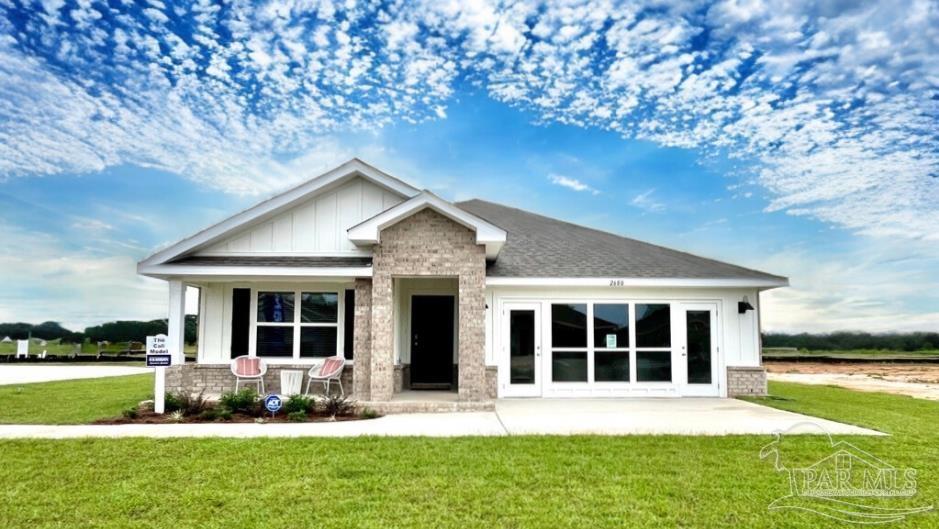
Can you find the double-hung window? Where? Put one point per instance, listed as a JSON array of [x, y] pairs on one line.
[[297, 324]]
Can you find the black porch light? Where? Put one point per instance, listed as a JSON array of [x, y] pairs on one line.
[[744, 306]]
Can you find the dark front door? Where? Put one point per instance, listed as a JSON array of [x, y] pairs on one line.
[[432, 342]]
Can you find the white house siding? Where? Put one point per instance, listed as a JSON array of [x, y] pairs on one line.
[[214, 323], [317, 226], [737, 335]]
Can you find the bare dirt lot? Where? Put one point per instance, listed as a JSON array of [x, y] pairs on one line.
[[915, 380]]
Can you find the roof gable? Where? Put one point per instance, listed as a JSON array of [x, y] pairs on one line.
[[237, 224], [369, 231]]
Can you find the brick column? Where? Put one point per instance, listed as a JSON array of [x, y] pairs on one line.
[[472, 336], [381, 362], [361, 340]]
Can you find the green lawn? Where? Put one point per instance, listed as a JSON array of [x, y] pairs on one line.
[[555, 482], [72, 401]]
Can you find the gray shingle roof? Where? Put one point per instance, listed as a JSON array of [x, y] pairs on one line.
[[539, 246], [293, 261]]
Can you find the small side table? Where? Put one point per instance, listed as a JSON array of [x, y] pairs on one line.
[[290, 382]]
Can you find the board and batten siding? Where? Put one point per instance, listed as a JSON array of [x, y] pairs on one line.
[[317, 226]]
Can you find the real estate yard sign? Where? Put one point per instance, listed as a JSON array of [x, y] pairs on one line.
[[158, 357]]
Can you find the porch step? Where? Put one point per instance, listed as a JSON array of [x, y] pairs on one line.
[[424, 406]]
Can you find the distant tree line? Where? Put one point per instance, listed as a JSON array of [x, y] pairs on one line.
[[914, 341], [114, 331]]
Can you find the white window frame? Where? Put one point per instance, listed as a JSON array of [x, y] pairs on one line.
[[296, 324], [591, 349]]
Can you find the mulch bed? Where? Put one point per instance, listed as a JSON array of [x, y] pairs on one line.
[[148, 417]]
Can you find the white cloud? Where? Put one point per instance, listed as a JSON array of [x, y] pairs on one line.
[[646, 202], [571, 183]]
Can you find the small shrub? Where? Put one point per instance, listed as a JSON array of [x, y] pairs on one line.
[[223, 414], [177, 416], [297, 416], [244, 401], [131, 413], [300, 403], [191, 405], [208, 415], [369, 413], [338, 406], [260, 420], [172, 402]]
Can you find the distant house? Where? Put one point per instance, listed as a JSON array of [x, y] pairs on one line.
[[477, 298]]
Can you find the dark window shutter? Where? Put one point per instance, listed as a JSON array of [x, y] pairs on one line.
[[240, 321], [349, 329]]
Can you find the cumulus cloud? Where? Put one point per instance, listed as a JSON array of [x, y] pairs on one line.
[[833, 106]]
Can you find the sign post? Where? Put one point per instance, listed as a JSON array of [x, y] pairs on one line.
[[158, 357]]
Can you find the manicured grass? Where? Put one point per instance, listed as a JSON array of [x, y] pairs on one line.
[[555, 482], [72, 401]]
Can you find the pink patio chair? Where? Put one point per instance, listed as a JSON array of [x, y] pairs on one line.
[[329, 371], [251, 369]]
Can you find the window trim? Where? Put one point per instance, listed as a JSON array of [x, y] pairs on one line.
[[297, 324], [632, 349]]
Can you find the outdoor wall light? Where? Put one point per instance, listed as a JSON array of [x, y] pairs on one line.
[[744, 306]]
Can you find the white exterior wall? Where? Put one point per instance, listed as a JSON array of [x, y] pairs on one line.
[[737, 335], [317, 226]]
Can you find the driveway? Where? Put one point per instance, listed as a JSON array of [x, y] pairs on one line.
[[512, 417], [688, 416], [27, 374]]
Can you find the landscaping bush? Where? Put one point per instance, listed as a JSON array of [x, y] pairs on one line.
[[209, 414], [297, 416], [369, 413], [244, 401], [338, 406], [301, 404], [190, 405], [131, 413], [223, 414]]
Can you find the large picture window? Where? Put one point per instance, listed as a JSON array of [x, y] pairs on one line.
[[611, 342], [569, 342], [297, 324], [653, 342]]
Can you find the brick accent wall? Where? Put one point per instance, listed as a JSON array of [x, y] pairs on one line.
[[429, 244], [361, 339], [746, 381], [492, 382], [217, 379]]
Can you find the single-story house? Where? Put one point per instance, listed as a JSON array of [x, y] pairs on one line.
[[474, 298]]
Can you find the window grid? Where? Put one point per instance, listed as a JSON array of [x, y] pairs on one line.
[[296, 324], [591, 348]]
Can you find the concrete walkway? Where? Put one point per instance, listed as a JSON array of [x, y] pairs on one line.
[[512, 417], [28, 374]]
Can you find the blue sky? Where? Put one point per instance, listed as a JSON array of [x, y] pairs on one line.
[[796, 139]]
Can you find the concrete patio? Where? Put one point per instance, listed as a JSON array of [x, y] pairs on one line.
[[511, 417]]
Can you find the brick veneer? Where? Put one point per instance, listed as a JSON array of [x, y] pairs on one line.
[[430, 245], [361, 339], [746, 381], [217, 379]]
